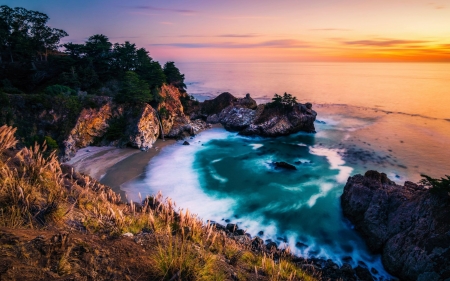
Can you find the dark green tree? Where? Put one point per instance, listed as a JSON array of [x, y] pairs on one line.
[[149, 70], [133, 90], [438, 186], [124, 57], [173, 76], [25, 34]]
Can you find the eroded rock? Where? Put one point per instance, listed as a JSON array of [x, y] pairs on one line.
[[408, 225]]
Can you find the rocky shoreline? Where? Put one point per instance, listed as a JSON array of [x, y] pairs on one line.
[[177, 116], [408, 225], [328, 269]]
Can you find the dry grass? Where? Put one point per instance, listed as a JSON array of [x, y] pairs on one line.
[[7, 138], [35, 191]]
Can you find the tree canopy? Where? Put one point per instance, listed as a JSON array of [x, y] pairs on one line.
[[32, 59], [173, 75], [25, 35], [286, 100]]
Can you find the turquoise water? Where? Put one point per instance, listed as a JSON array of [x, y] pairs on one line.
[[368, 118]]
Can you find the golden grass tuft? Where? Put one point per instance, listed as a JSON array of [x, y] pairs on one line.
[[7, 138]]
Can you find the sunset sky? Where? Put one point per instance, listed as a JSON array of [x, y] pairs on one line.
[[261, 30]]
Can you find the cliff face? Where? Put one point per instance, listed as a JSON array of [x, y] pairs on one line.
[[144, 129], [408, 225], [174, 121], [245, 116], [91, 124]]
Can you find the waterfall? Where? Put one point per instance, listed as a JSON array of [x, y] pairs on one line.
[[160, 125]]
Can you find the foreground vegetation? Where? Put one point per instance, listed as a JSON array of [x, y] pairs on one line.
[[85, 223]]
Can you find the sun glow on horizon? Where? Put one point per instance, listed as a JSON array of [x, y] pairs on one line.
[[263, 30]]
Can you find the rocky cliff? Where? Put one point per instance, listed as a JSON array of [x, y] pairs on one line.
[[409, 225], [245, 116]]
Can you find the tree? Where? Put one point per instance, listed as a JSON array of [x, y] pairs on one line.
[[134, 90], [438, 186], [124, 57], [285, 100], [25, 34], [149, 70], [173, 76]]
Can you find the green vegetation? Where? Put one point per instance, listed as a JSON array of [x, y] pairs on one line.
[[134, 90], [31, 60], [116, 128], [55, 90], [438, 186], [173, 76], [285, 100]]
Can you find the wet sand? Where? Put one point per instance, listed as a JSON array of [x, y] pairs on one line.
[[115, 166]]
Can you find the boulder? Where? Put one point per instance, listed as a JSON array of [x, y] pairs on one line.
[[284, 165], [409, 225], [91, 123], [144, 130], [231, 227]]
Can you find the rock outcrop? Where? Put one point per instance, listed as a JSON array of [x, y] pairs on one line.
[[144, 131], [170, 109], [409, 225], [269, 120], [91, 124]]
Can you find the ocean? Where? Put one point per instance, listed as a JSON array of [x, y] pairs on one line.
[[394, 118]]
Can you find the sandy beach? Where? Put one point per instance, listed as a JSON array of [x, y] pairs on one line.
[[114, 166]]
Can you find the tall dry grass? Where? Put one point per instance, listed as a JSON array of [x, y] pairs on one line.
[[31, 185], [35, 192], [7, 138]]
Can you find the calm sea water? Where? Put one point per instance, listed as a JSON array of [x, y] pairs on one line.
[[388, 117]]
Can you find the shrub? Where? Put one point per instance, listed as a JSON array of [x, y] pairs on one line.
[[134, 90], [438, 186], [56, 90]]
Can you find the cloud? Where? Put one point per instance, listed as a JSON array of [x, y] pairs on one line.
[[384, 42], [239, 35], [244, 17], [251, 35], [330, 29], [436, 6], [286, 43], [154, 8]]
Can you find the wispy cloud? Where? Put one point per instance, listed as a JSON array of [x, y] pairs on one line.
[[330, 29], [436, 6], [239, 35], [166, 22], [250, 35], [154, 8], [244, 17], [384, 42], [286, 43]]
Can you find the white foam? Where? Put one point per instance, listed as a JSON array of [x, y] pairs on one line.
[[256, 145], [335, 160], [172, 173]]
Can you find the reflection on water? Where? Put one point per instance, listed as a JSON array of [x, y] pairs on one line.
[[413, 88]]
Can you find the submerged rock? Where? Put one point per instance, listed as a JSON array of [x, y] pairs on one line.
[[186, 143], [284, 165], [409, 225]]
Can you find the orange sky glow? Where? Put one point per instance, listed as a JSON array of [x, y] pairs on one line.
[[263, 30]]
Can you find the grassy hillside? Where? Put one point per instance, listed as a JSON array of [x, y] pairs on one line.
[[56, 224]]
